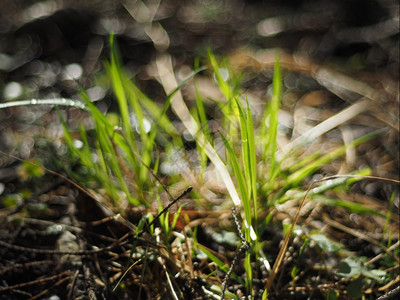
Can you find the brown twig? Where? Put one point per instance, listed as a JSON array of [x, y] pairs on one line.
[[37, 281], [47, 290], [392, 294], [119, 242]]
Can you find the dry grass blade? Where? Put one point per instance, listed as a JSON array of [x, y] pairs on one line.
[[327, 125], [171, 287], [33, 282], [357, 234], [392, 294], [388, 250], [285, 245]]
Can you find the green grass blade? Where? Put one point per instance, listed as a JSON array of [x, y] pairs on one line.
[[242, 185], [249, 273], [245, 147], [219, 263], [216, 260], [252, 164], [158, 114], [349, 205], [176, 216], [248, 156], [296, 178], [113, 69], [222, 84], [273, 119], [304, 162], [202, 120], [236, 169], [324, 186]]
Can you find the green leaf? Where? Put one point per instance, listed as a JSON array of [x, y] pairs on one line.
[[348, 268], [376, 274], [324, 243], [354, 289]]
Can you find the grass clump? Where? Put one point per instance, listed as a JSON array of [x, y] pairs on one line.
[[123, 154], [126, 157]]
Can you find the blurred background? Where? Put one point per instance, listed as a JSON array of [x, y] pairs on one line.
[[44, 44]]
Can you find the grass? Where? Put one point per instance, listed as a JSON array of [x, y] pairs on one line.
[[122, 156]]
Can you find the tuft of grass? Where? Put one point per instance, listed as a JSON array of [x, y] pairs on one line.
[[243, 159], [124, 155], [121, 155]]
